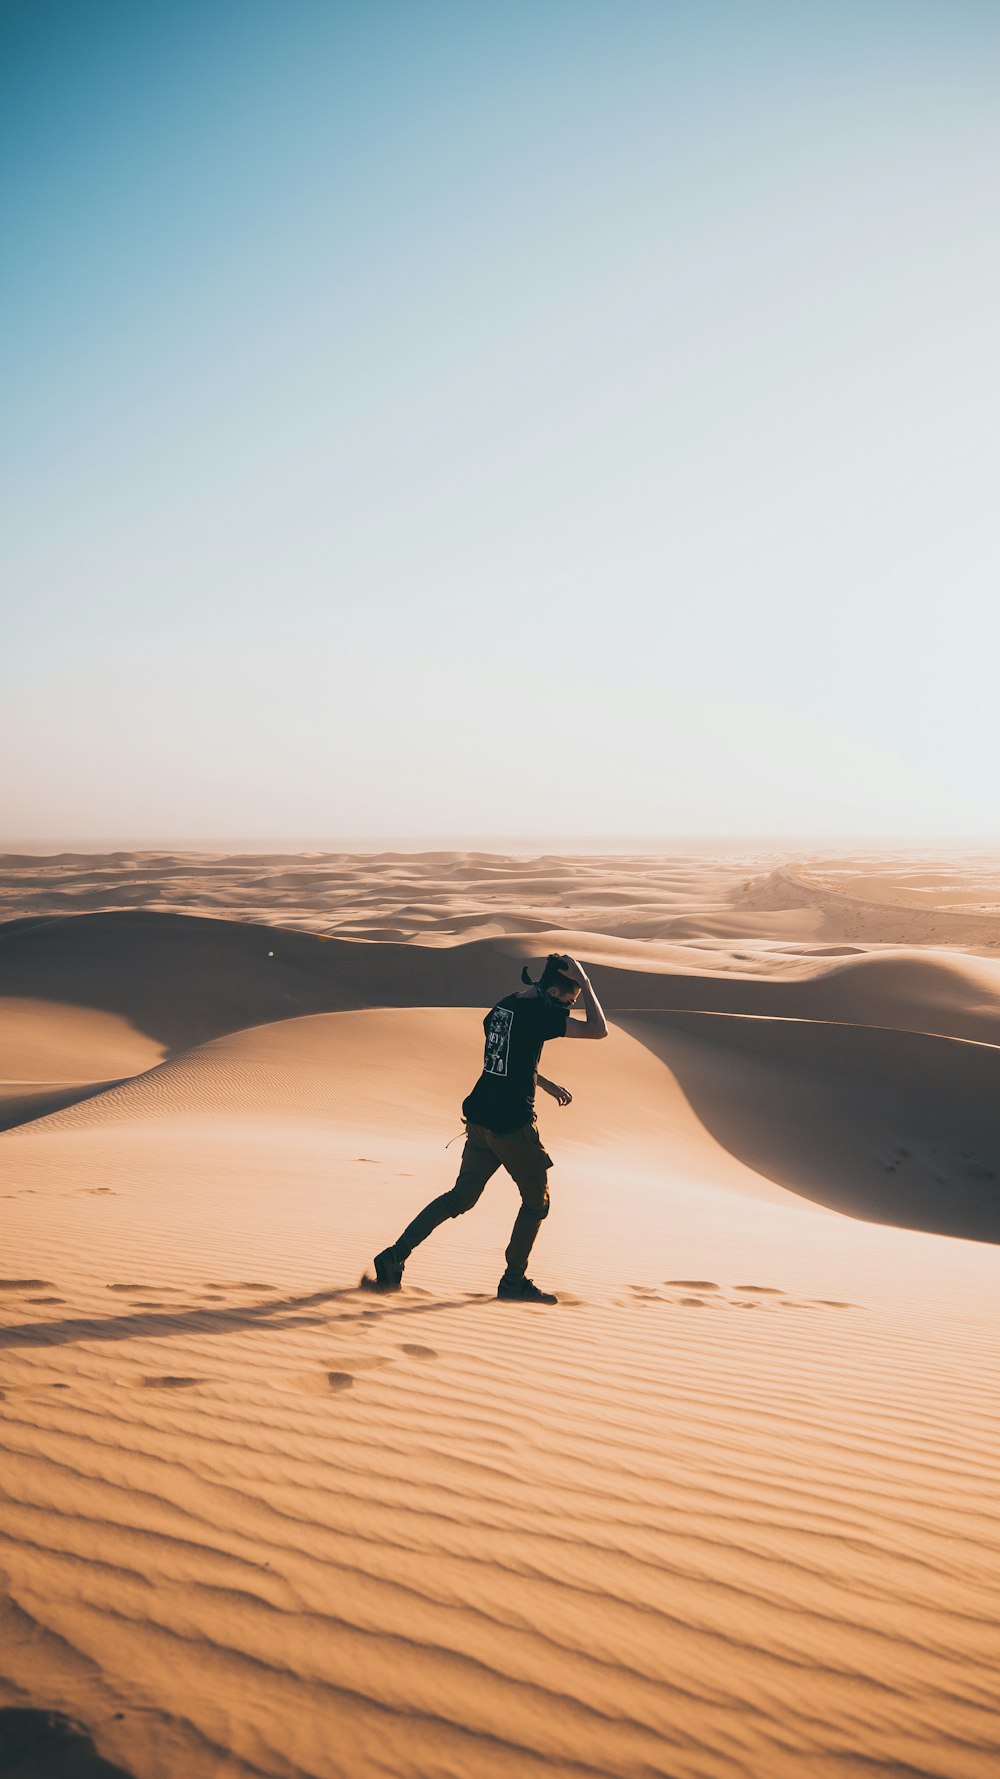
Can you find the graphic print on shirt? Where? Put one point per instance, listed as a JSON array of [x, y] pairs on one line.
[[498, 1041]]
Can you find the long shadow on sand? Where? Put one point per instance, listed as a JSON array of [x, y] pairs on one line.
[[281, 1313], [47, 1745]]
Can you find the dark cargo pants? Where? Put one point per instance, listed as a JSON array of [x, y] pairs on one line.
[[520, 1152]]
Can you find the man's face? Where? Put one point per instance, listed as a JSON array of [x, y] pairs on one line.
[[564, 997]]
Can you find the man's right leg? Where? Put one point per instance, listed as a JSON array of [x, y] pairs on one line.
[[479, 1164], [528, 1163]]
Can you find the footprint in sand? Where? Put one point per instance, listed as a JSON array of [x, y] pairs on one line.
[[237, 1285], [167, 1380], [645, 1294], [321, 1383], [339, 1377], [24, 1284], [37, 1387], [145, 1303], [417, 1352], [46, 1300]]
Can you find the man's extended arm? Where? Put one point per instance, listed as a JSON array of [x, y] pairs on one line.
[[562, 1094], [597, 1025]]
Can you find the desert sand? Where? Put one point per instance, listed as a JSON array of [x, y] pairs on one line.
[[727, 1511]]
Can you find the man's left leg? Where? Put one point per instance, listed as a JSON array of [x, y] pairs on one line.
[[478, 1165]]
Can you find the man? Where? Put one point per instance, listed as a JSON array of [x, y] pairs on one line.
[[499, 1118]]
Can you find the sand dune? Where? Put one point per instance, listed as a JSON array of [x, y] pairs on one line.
[[897, 1126], [729, 1510]]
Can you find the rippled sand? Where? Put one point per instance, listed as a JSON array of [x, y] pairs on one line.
[[729, 1509]]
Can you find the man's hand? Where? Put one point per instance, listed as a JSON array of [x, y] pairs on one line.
[[597, 1025], [562, 1094]]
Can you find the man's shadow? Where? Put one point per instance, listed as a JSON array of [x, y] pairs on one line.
[[288, 1312]]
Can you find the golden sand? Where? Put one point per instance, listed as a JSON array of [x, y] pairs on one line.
[[727, 1512]]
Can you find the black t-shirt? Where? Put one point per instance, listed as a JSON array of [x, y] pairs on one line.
[[516, 1028]]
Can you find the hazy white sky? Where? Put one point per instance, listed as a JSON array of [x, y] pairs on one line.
[[553, 418]]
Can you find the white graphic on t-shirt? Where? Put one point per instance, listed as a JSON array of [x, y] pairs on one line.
[[498, 1041]]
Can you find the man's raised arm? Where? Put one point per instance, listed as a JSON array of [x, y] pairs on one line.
[[597, 1025]]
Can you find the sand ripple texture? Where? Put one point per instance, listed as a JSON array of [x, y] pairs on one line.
[[727, 1512]]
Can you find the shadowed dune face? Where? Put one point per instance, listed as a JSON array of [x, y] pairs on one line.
[[896, 1127], [54, 1054]]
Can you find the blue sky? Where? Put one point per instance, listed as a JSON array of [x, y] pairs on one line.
[[533, 419]]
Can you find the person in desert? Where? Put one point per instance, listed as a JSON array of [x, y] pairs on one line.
[[499, 1118]]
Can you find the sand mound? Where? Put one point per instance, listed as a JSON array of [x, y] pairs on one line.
[[405, 1071]]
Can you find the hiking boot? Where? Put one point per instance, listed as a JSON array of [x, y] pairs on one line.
[[388, 1270], [522, 1290]]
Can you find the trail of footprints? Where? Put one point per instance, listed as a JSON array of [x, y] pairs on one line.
[[705, 1293]]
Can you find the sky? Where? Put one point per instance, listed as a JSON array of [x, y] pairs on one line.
[[548, 418]]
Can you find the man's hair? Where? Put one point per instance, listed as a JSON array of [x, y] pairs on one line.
[[555, 974]]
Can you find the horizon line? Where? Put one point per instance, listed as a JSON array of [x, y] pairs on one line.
[[42, 846]]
